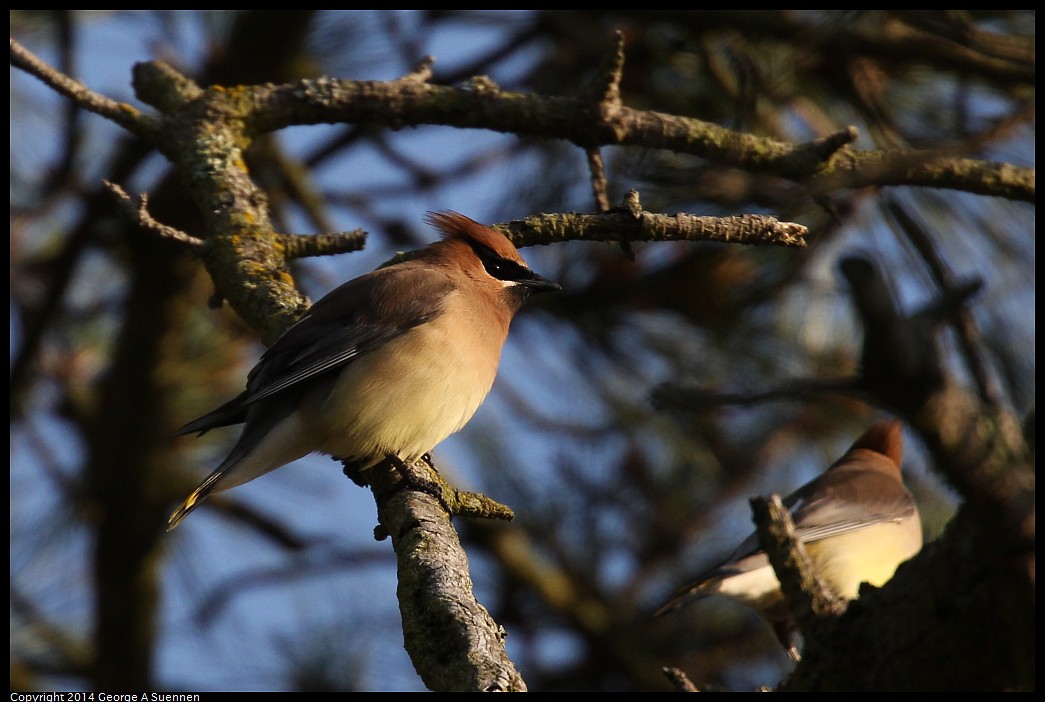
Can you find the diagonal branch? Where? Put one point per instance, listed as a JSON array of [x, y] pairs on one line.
[[810, 600], [127, 116]]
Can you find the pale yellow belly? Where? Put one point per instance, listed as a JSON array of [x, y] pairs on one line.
[[868, 555], [399, 400]]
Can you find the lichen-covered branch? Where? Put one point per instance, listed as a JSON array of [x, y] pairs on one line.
[[618, 225], [810, 599], [453, 642], [412, 100], [483, 105]]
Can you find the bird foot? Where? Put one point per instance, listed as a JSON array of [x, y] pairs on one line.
[[353, 470], [415, 479], [454, 501]]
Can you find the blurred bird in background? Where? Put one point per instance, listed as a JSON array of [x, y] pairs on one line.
[[385, 366], [857, 522]]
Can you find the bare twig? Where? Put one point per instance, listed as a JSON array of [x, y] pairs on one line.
[[127, 116], [422, 73], [598, 180], [679, 680], [139, 213], [306, 245], [648, 226]]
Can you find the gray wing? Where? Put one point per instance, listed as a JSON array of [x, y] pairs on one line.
[[352, 320], [850, 497], [844, 499]]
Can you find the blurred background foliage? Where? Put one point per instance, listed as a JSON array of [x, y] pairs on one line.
[[279, 584]]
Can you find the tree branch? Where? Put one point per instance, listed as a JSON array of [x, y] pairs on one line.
[[453, 642], [411, 101], [121, 113], [139, 214], [620, 225], [811, 601]]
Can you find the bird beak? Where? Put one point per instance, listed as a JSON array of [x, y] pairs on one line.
[[536, 284]]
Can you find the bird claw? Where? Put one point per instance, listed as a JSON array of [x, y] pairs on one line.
[[414, 479], [454, 501], [353, 470]]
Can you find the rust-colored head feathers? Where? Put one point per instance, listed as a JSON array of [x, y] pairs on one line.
[[454, 225], [884, 437]]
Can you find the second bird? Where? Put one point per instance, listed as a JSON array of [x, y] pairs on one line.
[[386, 365], [857, 522]]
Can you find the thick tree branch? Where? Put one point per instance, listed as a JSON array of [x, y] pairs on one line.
[[453, 642], [484, 105], [411, 101]]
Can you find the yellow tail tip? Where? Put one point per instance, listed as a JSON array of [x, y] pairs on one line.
[[179, 514]]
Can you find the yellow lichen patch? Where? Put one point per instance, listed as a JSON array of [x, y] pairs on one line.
[[253, 270]]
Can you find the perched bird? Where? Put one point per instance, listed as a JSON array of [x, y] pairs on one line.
[[857, 522], [386, 365]]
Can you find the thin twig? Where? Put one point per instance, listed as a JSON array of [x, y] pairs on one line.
[[679, 680], [127, 116], [139, 213], [598, 180]]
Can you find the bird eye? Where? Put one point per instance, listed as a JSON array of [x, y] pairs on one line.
[[498, 266]]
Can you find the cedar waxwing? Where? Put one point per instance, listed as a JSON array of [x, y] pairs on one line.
[[386, 365], [857, 521]]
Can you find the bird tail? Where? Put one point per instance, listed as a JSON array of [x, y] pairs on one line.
[[232, 412], [692, 592], [194, 499]]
